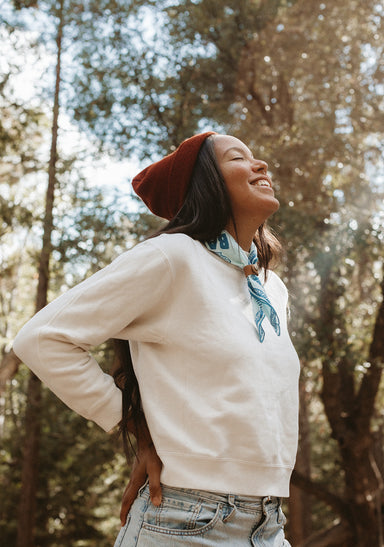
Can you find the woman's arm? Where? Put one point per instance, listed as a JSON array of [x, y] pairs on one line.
[[127, 299]]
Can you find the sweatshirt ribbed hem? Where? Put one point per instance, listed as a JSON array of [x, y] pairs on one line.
[[225, 476]]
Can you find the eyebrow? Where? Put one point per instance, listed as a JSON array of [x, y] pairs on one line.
[[237, 149]]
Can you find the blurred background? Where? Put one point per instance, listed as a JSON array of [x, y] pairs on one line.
[[93, 91]]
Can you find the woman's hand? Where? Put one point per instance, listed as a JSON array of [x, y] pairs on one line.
[[147, 464]]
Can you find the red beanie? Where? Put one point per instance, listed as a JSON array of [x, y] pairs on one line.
[[163, 185]]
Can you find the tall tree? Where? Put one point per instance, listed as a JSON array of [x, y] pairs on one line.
[[20, 140], [29, 477]]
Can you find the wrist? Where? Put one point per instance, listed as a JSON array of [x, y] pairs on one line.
[[137, 426]]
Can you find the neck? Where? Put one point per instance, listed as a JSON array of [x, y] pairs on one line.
[[243, 235]]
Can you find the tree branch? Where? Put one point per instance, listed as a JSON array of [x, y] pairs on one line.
[[338, 534], [320, 492], [370, 383]]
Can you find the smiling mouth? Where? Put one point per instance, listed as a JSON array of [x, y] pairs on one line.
[[262, 182]]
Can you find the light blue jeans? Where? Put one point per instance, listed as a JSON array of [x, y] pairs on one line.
[[195, 518]]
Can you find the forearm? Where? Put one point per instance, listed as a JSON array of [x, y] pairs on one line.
[[71, 373]]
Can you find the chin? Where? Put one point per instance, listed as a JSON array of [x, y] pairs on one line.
[[273, 206], [271, 210]]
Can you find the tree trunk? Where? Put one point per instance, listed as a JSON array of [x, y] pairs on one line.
[[29, 473], [350, 411], [362, 492], [30, 464], [299, 500]]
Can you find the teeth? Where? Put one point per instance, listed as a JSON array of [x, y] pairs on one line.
[[262, 182]]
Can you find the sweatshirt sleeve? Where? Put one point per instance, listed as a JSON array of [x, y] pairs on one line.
[[126, 300]]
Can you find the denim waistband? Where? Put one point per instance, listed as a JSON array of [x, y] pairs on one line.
[[251, 502]]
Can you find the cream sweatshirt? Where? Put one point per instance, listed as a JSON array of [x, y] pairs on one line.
[[222, 408]]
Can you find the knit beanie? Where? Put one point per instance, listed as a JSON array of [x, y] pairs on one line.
[[163, 185]]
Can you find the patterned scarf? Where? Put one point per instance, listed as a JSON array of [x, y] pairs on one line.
[[229, 250]]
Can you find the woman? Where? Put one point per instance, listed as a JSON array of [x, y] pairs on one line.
[[210, 376]]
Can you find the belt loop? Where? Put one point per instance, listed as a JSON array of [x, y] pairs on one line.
[[266, 500], [231, 503]]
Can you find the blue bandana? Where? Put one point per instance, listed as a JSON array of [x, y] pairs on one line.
[[229, 250]]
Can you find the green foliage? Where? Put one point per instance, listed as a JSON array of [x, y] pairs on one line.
[[159, 89], [21, 136], [81, 474]]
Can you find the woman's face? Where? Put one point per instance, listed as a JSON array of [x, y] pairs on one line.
[[247, 181]]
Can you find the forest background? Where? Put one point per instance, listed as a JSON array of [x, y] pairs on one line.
[[92, 91]]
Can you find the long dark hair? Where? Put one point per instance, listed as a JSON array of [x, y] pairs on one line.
[[204, 215]]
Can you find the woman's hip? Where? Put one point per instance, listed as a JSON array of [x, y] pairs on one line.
[[192, 518]]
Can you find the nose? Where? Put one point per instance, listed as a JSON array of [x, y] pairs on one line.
[[260, 166]]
